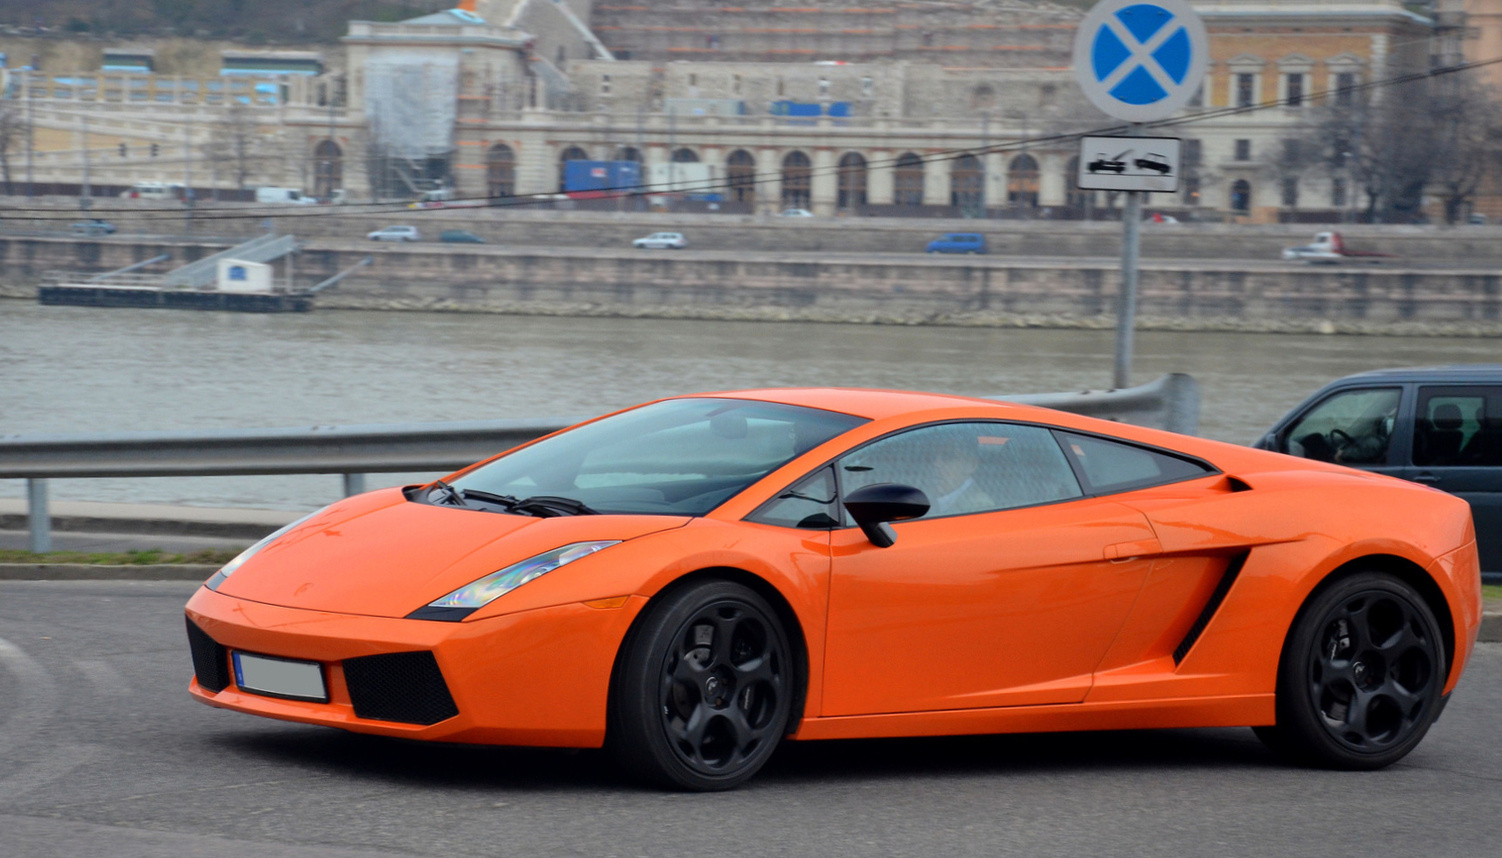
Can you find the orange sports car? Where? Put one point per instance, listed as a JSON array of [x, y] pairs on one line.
[[691, 581]]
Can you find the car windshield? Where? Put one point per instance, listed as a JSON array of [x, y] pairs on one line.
[[677, 457]]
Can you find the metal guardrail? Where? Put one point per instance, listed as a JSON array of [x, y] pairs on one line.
[[1171, 402]]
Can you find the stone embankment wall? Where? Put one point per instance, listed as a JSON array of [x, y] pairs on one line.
[[895, 289]]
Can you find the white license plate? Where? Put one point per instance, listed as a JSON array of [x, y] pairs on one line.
[[280, 677]]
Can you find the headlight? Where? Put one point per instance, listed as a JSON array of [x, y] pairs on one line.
[[229, 568], [471, 597]]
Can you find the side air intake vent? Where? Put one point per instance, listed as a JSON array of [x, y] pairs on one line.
[[210, 660], [402, 686]]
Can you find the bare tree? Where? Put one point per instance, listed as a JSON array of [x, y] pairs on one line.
[[1438, 135], [1464, 124], [236, 143], [13, 136]]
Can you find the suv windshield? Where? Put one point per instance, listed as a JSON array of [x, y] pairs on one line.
[[678, 457]]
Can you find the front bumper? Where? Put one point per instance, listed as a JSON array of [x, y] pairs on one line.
[[537, 677]]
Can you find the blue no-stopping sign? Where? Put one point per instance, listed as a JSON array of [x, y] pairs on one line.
[[1141, 60]]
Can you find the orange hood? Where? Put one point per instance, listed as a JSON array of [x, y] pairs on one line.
[[380, 555]]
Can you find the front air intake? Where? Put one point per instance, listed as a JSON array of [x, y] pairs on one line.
[[401, 686], [210, 660]]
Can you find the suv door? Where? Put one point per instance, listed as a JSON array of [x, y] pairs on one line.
[[1355, 426], [1457, 448]]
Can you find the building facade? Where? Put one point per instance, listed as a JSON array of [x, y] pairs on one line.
[[943, 108]]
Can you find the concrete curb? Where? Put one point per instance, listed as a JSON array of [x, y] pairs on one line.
[[100, 572]]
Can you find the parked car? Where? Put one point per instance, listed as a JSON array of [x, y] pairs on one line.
[[661, 241], [693, 581], [284, 196], [1440, 426], [154, 191], [460, 236], [92, 226], [795, 213], [958, 242], [395, 233]]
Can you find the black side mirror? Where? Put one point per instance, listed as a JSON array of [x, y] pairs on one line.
[[874, 506]]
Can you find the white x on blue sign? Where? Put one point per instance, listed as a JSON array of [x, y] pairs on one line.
[[1140, 60]]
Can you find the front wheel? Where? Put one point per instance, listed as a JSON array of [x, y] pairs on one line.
[[703, 689], [1361, 676]]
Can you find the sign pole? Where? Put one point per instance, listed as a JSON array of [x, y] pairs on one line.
[[1139, 61], [1126, 305]]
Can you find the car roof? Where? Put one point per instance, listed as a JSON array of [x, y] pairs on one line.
[[863, 402], [1469, 373]]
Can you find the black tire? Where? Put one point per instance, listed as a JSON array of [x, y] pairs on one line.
[[702, 689], [1361, 676]]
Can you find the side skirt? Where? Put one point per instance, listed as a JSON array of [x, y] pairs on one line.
[[1241, 710]]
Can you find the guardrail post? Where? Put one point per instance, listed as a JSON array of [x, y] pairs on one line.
[[38, 520], [354, 484]]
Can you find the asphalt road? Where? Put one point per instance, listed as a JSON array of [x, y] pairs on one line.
[[103, 753]]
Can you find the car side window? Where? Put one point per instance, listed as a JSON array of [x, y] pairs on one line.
[[1458, 427], [811, 503], [1352, 427], [1110, 466], [966, 468]]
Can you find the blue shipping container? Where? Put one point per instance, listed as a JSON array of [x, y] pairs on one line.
[[601, 176]]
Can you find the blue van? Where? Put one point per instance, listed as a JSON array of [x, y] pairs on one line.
[[958, 242]]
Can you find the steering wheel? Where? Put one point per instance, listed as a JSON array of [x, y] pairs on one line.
[[1340, 443]]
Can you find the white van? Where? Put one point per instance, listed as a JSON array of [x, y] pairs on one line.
[[285, 196], [153, 191]]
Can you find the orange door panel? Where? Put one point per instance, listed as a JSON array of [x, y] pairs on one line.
[[997, 609]]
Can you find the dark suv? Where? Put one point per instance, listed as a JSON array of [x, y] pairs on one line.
[[1441, 426]]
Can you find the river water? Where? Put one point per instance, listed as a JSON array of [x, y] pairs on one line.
[[78, 370]]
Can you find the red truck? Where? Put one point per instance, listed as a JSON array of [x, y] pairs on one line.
[[1330, 247]]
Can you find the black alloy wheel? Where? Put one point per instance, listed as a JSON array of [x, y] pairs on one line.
[[1361, 676], [703, 689]]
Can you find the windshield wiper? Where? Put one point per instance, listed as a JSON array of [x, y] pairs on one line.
[[506, 501], [444, 494], [546, 506]]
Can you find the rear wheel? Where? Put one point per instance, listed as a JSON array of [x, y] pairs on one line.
[[703, 689], [1361, 675]]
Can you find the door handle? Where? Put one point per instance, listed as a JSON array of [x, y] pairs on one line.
[[1426, 477], [1133, 550]]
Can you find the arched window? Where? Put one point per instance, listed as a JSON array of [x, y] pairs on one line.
[[983, 97], [1022, 182], [797, 175], [967, 190], [500, 171], [1241, 196], [685, 156], [907, 180], [328, 169], [572, 153], [740, 175], [852, 181], [628, 153]]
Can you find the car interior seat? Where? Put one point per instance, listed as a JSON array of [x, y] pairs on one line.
[[1441, 439]]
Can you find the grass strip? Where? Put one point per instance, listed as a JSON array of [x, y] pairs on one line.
[[149, 557]]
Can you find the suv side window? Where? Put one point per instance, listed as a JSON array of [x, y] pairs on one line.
[[1110, 466], [1458, 427], [1352, 427]]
